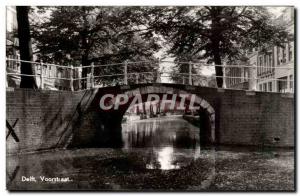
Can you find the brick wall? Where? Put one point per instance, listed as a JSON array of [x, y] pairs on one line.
[[241, 117], [261, 119], [251, 118], [48, 119], [45, 118]]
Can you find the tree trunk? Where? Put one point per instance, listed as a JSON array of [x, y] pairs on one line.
[[219, 70], [215, 39], [84, 62], [218, 61], [25, 47], [85, 56]]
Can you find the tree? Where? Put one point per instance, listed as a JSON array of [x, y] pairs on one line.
[[25, 47], [89, 34], [215, 32], [180, 72]]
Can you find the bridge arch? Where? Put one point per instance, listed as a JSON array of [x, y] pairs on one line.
[[100, 128], [207, 112]]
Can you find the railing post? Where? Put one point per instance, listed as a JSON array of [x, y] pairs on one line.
[[125, 73], [41, 76], [158, 77], [6, 76], [158, 80], [92, 76], [224, 75], [49, 71], [288, 84], [190, 73], [36, 75], [71, 78], [46, 71], [137, 78], [79, 77]]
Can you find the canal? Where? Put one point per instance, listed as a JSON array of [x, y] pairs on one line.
[[167, 142], [158, 154]]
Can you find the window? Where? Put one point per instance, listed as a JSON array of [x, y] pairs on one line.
[[265, 63], [270, 86], [260, 65], [278, 55], [246, 75], [260, 87], [239, 72], [290, 51], [256, 69], [9, 64], [44, 70], [265, 87], [58, 74], [282, 85], [284, 55], [291, 83]]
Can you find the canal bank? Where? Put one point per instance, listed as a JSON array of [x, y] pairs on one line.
[[116, 169], [160, 154], [43, 119]]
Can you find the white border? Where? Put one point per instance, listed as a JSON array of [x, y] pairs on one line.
[[295, 3]]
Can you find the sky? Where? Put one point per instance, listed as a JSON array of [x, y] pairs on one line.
[[276, 10]]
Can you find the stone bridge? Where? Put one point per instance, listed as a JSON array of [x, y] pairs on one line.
[[50, 119]]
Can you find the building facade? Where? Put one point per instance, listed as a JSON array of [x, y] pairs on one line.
[[274, 68], [278, 63], [52, 76]]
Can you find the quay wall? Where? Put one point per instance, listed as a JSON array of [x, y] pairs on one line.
[[43, 119], [56, 119]]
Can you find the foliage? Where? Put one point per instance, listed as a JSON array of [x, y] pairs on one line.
[[215, 32], [101, 35], [90, 34]]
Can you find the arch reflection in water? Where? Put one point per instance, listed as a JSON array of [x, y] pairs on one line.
[[167, 142]]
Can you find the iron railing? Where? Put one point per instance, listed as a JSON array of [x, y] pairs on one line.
[[71, 74]]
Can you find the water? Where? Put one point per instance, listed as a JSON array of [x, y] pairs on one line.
[[158, 154], [168, 142]]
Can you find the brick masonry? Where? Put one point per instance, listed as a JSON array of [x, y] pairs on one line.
[[46, 118], [241, 117], [54, 119]]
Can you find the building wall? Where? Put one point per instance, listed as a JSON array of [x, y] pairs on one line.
[[47, 71], [275, 68], [281, 57], [11, 41], [11, 18]]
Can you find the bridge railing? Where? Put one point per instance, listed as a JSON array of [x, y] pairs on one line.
[[60, 77]]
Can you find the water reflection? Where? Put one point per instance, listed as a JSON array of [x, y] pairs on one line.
[[168, 142], [165, 159]]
